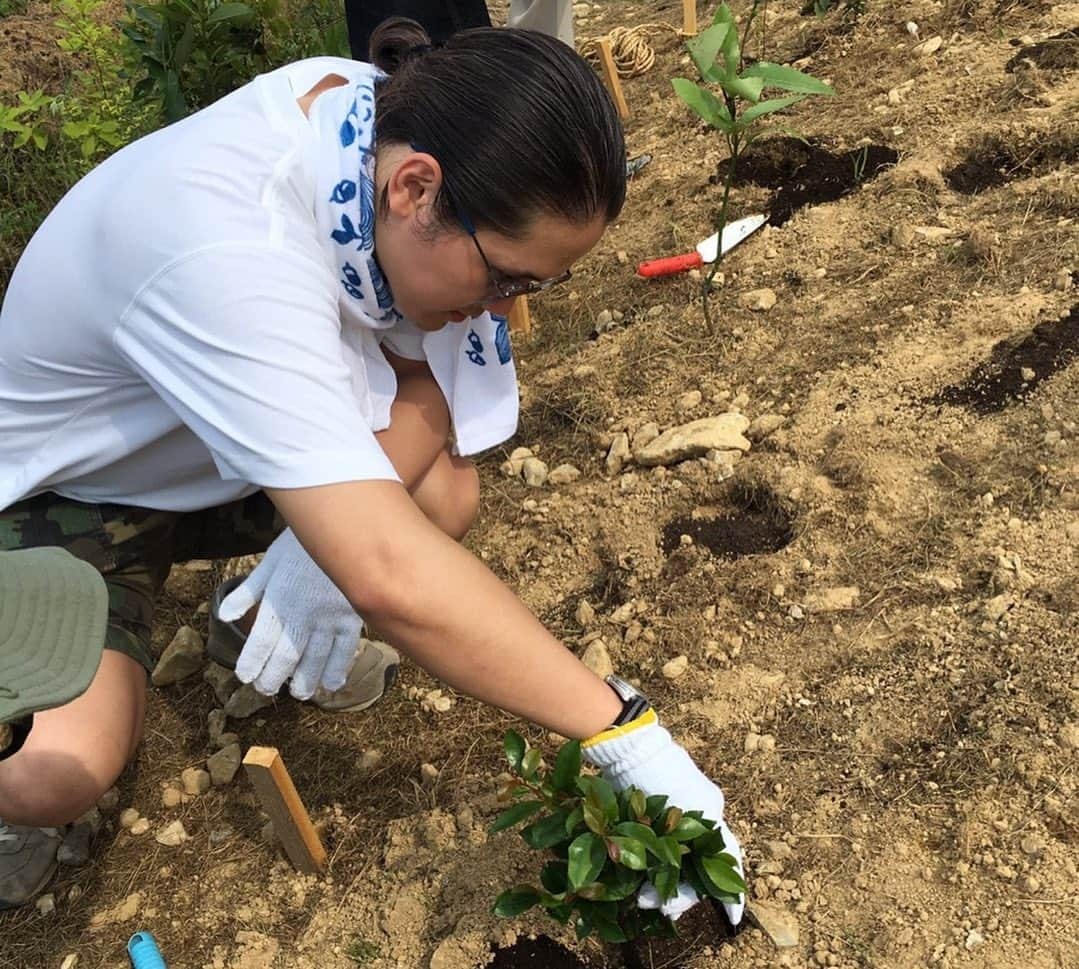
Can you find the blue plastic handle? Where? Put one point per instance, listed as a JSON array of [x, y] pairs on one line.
[[144, 952]]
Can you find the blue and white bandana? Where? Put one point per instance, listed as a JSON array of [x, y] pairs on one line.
[[472, 361]]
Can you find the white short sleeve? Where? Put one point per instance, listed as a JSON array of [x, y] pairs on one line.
[[243, 343]]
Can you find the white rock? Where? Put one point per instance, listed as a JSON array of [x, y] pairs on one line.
[[973, 940], [128, 817], [689, 400], [765, 425], [172, 835], [370, 759], [998, 606], [224, 764], [1027, 374], [563, 474], [644, 435], [183, 657], [534, 471], [140, 827], [676, 667], [121, 912], [46, 904], [930, 46], [835, 599], [619, 451], [71, 960], [597, 659], [195, 781], [752, 743], [760, 300], [695, 440], [585, 614], [776, 922], [172, 797], [428, 773]]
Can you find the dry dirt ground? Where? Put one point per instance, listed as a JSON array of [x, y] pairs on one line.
[[901, 629]]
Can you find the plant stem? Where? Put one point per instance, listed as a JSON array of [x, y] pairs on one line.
[[734, 145]]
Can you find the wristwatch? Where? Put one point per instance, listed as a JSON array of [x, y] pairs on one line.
[[634, 702]]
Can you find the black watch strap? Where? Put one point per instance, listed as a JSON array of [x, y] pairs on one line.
[[634, 702]]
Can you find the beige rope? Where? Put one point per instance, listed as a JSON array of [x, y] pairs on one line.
[[632, 53]]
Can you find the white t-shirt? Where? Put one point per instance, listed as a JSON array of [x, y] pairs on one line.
[[171, 338]]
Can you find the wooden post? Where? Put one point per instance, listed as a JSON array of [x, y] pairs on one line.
[[281, 802], [520, 319], [689, 18], [610, 74]]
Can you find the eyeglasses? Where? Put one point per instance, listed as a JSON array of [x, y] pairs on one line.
[[501, 286]]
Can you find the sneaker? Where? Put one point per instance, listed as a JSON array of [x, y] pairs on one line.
[[372, 674], [27, 861]]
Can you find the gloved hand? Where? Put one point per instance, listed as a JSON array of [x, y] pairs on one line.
[[305, 628], [642, 754]]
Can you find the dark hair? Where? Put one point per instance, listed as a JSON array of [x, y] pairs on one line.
[[518, 121]]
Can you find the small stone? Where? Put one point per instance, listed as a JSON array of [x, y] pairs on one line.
[[71, 960], [759, 300], [604, 319], [776, 922], [645, 435], [46, 904], [216, 721], [222, 680], [764, 426], [1027, 374], [218, 836], [836, 599], [796, 612], [228, 737], [767, 743], [128, 817], [597, 659], [930, 46], [675, 667], [109, 801], [121, 912], [779, 850], [998, 606], [183, 657], [245, 702], [584, 614], [618, 453], [172, 797], [689, 400], [563, 474], [172, 835], [428, 773], [370, 759], [1063, 280], [534, 471], [224, 764], [1030, 883], [195, 781], [622, 256], [140, 827], [1069, 735], [752, 743], [1032, 844], [902, 235], [973, 940], [267, 833], [695, 440], [75, 848]]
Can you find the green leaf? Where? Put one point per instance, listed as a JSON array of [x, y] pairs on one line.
[[531, 763], [703, 101], [546, 832], [672, 820], [594, 892], [638, 804], [622, 882], [639, 832], [787, 78], [587, 855], [515, 901], [567, 766], [230, 11], [184, 46], [718, 872], [704, 47], [666, 881], [515, 747], [553, 877], [710, 843], [670, 851], [575, 817], [687, 829], [762, 108], [583, 926], [610, 932], [732, 49], [599, 793], [594, 818], [40, 139], [516, 814], [749, 88], [631, 853], [655, 804]]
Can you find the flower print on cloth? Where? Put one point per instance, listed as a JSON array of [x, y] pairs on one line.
[[471, 361]]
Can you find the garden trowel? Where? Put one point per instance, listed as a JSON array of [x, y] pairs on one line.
[[706, 252]]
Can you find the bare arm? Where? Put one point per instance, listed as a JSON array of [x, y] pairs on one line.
[[442, 607]]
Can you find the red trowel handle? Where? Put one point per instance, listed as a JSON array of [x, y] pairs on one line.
[[670, 265]]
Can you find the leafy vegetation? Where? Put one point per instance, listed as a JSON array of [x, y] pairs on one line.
[[606, 844]]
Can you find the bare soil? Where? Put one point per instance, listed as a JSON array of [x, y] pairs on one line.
[[897, 612]]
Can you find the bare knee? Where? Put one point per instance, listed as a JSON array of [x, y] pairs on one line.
[[48, 788]]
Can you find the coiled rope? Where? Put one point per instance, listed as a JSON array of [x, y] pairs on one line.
[[632, 53]]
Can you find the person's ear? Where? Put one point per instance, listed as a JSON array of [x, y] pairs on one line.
[[414, 184]]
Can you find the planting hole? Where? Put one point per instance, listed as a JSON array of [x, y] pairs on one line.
[[806, 174], [1013, 370], [757, 526], [538, 953], [1059, 53], [998, 159]]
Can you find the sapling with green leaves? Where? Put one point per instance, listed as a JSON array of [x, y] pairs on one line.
[[738, 108], [607, 846]]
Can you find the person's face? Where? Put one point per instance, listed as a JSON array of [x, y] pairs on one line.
[[438, 275]]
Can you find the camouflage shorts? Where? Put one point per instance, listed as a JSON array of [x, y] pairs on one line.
[[134, 548]]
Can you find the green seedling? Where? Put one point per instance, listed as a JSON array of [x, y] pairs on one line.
[[605, 844], [731, 100]]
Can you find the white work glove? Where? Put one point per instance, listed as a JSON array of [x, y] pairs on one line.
[[306, 630], [642, 754]]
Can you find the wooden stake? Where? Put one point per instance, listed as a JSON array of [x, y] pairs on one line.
[[689, 18], [610, 74], [281, 802], [520, 319]]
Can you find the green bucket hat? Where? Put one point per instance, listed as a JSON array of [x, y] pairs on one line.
[[53, 611]]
